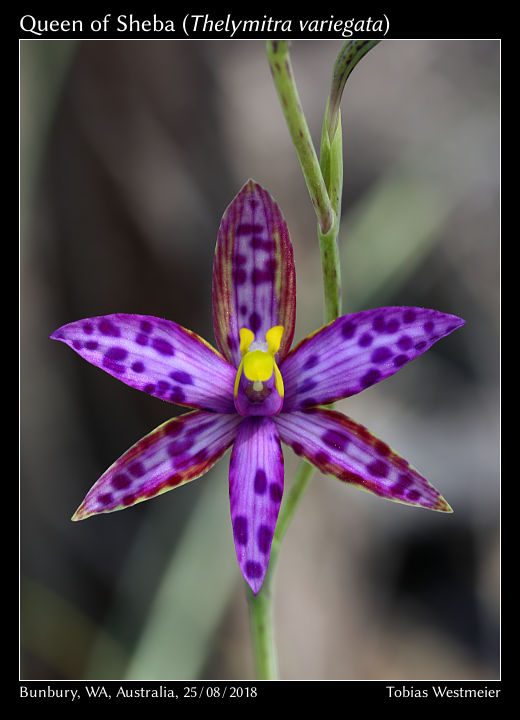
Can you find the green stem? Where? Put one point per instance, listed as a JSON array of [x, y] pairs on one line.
[[280, 63], [262, 631], [331, 164]]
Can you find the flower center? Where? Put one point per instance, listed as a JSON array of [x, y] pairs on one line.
[[259, 384]]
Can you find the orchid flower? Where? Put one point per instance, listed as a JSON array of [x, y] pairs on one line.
[[256, 392]]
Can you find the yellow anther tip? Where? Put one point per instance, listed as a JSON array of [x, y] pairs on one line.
[[246, 338], [273, 338]]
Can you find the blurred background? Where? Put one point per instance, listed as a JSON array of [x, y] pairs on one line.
[[130, 153]]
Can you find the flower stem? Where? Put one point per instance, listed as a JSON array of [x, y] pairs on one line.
[[331, 164], [280, 64], [262, 631]]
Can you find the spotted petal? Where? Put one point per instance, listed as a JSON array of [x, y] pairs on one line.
[[255, 494], [338, 446], [154, 355], [176, 452], [358, 350], [253, 273]]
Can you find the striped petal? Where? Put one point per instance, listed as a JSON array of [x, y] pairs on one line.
[[176, 452], [359, 350], [157, 356], [255, 494], [253, 273], [338, 446]]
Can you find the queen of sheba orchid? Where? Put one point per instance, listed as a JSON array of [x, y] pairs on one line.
[[256, 393]]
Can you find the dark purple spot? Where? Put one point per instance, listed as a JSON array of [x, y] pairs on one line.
[[112, 365], [428, 327], [298, 449], [400, 360], [261, 276], [405, 342], [88, 328], [120, 481], [91, 345], [409, 315], [77, 344], [257, 243], [106, 327], [162, 387], [421, 345], [116, 353], [249, 228], [322, 458], [177, 395], [381, 354], [392, 325], [306, 385], [308, 402], [365, 340], [264, 538], [255, 322], [141, 339], [136, 469], [162, 346], [243, 309], [240, 530], [240, 276], [348, 329], [311, 362], [253, 569], [105, 499], [260, 482], [179, 446], [129, 499], [146, 326], [370, 377], [335, 440], [379, 468], [240, 259], [402, 483], [413, 495], [200, 456], [275, 492], [138, 367], [232, 342], [378, 324], [183, 377], [173, 428]]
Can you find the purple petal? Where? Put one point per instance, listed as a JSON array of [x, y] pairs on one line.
[[176, 452], [255, 494], [157, 356], [338, 446], [359, 350], [253, 273]]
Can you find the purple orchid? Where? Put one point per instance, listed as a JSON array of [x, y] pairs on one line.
[[256, 392]]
